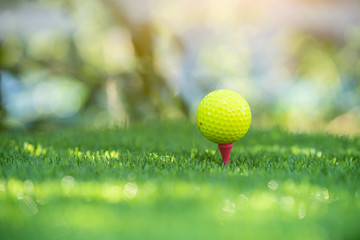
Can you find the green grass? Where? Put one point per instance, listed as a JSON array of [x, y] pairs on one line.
[[166, 181]]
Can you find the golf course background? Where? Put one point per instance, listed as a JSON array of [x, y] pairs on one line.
[[114, 62]]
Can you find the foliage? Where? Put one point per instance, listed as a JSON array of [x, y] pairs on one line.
[[104, 50], [165, 181], [136, 60]]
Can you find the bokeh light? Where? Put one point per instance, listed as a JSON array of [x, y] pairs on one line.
[[115, 62]]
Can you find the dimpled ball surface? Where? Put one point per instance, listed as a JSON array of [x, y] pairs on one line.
[[223, 116]]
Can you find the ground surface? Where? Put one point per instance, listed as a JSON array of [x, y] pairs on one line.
[[166, 181]]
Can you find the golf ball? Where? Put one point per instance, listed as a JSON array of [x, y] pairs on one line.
[[223, 116]]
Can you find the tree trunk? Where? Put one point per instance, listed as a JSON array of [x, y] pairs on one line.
[[156, 92]]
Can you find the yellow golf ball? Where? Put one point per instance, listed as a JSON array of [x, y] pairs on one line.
[[223, 116]]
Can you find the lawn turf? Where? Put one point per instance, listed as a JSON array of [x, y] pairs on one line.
[[166, 181]]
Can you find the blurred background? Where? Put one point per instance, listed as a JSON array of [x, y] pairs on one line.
[[114, 62]]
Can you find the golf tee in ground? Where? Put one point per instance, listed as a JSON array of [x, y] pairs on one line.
[[225, 150]]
